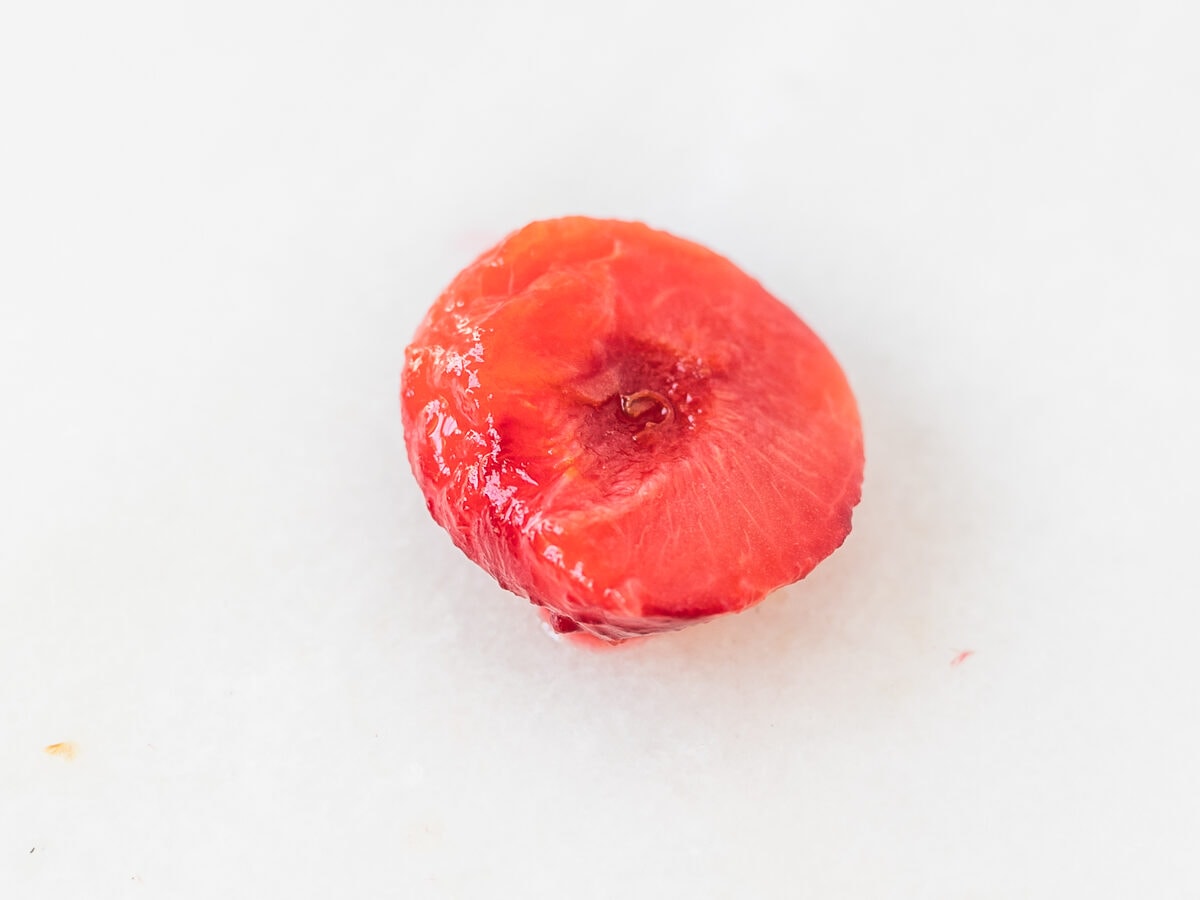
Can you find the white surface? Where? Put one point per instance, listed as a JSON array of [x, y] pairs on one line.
[[220, 224]]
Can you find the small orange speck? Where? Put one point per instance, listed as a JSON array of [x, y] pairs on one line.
[[63, 750], [961, 657]]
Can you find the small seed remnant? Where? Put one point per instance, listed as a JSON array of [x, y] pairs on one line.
[[643, 405]]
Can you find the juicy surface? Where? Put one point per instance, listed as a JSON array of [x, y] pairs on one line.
[[627, 429]]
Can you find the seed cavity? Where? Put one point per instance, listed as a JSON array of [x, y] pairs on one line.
[[649, 407]]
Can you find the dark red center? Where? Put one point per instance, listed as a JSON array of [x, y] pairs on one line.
[[639, 395]]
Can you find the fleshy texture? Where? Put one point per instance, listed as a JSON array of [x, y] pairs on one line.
[[627, 429]]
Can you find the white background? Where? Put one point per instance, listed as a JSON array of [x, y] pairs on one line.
[[221, 222]]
